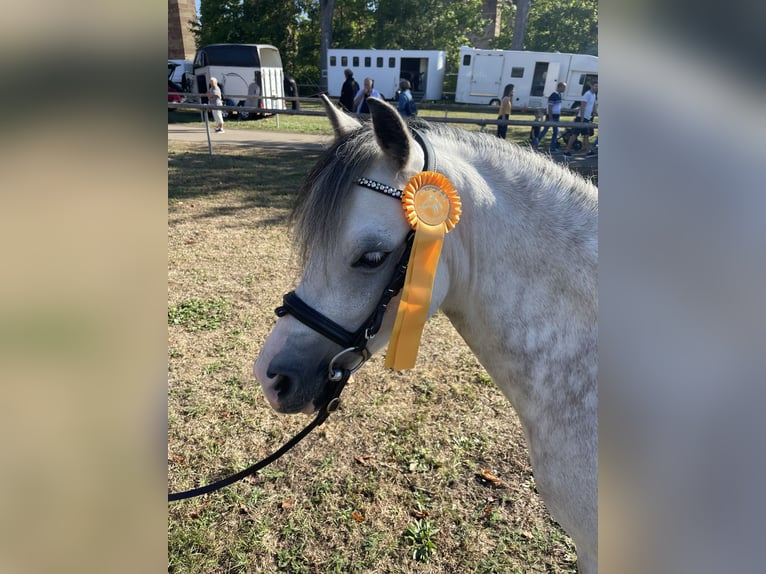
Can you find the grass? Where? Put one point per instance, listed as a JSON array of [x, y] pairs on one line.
[[389, 482], [195, 314]]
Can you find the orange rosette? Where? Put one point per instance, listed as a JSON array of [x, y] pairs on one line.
[[432, 208]]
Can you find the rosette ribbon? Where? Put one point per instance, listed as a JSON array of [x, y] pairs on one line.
[[432, 208]]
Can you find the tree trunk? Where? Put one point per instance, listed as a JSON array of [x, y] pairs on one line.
[[326, 8], [520, 24]]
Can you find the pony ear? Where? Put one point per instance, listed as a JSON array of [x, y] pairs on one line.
[[390, 131], [342, 123]]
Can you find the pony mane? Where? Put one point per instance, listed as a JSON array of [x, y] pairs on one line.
[[324, 194]]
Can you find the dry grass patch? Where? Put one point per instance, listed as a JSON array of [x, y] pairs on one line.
[[369, 489]]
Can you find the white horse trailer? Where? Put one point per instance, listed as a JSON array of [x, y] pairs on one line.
[[248, 74], [483, 75], [423, 68]]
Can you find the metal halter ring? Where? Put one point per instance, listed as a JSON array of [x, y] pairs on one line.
[[335, 373]]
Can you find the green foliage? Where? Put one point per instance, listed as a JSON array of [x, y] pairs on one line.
[[554, 25], [294, 27], [420, 535], [196, 314]]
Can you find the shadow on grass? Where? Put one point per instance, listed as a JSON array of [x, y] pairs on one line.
[[257, 177]]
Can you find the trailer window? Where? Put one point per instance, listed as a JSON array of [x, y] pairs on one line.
[[392, 62], [379, 62], [355, 61], [467, 60], [239, 55], [333, 62], [367, 61], [344, 61], [517, 72]]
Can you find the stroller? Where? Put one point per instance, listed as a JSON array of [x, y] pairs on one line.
[[564, 136]]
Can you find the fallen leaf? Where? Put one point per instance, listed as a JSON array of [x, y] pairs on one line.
[[363, 459], [487, 476], [419, 513], [288, 503], [356, 515], [196, 513]]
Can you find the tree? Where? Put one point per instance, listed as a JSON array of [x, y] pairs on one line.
[[553, 25], [304, 30], [564, 26], [520, 24], [326, 8]]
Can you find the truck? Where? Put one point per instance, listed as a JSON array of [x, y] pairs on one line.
[[248, 74], [423, 68], [483, 75]]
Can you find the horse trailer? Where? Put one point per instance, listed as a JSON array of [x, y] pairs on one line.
[[483, 75], [248, 75], [423, 68]]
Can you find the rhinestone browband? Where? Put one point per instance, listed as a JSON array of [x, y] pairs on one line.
[[381, 187]]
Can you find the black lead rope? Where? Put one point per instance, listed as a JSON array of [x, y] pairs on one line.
[[321, 417], [325, 326]]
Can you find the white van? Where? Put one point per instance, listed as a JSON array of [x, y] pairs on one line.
[[248, 75], [483, 75], [423, 68]]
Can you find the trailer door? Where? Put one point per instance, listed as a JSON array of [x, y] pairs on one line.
[[552, 79], [485, 75]]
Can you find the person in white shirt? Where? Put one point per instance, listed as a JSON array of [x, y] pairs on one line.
[[588, 109], [215, 97]]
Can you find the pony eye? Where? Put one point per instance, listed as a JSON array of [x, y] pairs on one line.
[[371, 259]]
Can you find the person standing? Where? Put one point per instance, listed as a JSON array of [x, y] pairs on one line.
[[217, 100], [291, 91], [505, 110], [588, 109], [554, 115], [406, 105], [368, 91], [348, 91]]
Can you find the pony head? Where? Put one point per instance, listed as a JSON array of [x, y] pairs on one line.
[[350, 239]]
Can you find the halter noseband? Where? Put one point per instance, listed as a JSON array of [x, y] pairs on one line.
[[355, 342]]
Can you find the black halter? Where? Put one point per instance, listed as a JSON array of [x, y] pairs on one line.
[[356, 342], [351, 343]]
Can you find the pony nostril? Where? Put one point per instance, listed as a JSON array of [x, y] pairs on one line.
[[282, 385]]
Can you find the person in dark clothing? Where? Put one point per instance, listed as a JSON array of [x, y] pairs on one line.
[[554, 115], [291, 91], [348, 91]]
